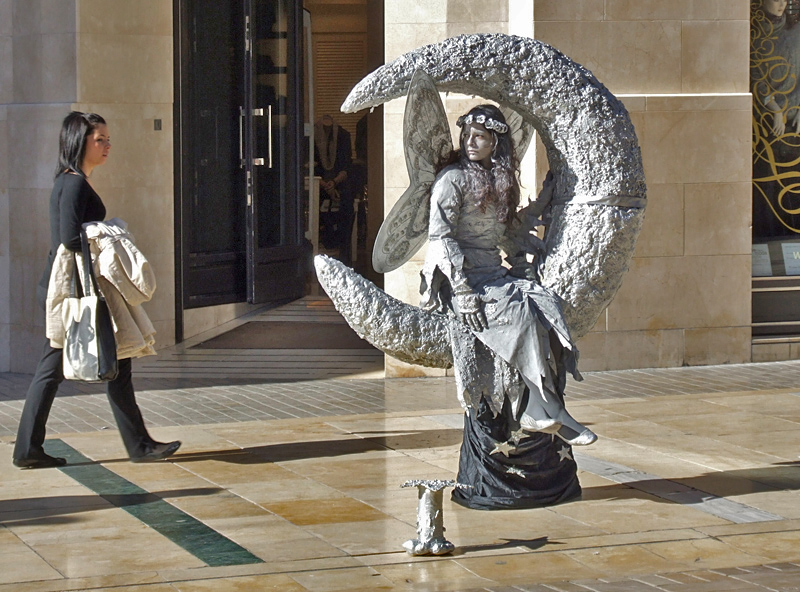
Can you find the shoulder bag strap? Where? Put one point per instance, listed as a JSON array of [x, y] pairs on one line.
[[88, 268], [75, 287]]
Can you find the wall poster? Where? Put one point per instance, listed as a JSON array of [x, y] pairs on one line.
[[774, 69]]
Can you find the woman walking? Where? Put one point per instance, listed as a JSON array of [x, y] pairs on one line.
[[84, 144]]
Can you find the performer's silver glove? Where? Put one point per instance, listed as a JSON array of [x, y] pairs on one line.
[[471, 309]]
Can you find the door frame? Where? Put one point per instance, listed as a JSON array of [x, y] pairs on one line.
[[180, 42]]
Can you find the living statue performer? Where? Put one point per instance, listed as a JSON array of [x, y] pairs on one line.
[[473, 214], [508, 331]]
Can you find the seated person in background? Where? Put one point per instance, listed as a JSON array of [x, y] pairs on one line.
[[332, 160], [358, 178]]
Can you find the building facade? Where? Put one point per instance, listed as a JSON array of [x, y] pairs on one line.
[[680, 67]]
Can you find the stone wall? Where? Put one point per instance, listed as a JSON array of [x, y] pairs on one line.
[[686, 298], [113, 57]]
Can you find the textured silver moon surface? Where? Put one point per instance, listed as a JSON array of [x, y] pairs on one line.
[[591, 147], [401, 330]]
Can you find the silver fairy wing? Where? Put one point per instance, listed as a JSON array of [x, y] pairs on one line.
[[427, 142], [521, 131]]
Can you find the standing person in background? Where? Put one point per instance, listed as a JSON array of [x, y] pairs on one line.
[[359, 177], [84, 144], [332, 158]]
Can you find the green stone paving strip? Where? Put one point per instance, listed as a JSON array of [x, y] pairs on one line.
[[203, 542]]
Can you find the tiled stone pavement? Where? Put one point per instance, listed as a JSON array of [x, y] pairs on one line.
[[305, 475], [167, 401]]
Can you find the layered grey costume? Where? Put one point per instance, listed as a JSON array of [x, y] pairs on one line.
[[527, 342]]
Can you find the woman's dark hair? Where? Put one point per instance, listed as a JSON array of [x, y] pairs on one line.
[[76, 128], [498, 185]]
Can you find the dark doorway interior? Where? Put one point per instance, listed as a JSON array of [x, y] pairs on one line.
[[238, 130]]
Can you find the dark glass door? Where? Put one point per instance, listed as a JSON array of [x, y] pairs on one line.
[[211, 90], [237, 105], [275, 239]]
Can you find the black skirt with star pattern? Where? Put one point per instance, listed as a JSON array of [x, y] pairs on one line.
[[506, 468]]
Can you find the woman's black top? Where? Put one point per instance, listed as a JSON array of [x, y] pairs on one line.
[[73, 202]]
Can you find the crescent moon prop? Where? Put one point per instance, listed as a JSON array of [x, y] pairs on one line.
[[598, 206]]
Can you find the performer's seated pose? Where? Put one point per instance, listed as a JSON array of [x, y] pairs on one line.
[[474, 215], [506, 330]]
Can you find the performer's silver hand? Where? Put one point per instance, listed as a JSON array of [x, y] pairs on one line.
[[471, 309], [475, 320]]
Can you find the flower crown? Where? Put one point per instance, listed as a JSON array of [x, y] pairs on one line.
[[487, 122]]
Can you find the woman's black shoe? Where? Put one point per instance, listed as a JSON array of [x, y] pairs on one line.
[[40, 462], [158, 451]]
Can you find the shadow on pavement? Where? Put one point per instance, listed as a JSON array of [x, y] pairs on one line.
[[62, 509], [326, 448]]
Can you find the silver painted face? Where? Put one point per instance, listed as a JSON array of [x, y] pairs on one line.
[[479, 143]]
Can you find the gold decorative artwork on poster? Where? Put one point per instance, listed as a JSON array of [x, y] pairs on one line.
[[774, 67]]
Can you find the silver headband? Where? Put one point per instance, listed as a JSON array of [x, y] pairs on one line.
[[487, 122]]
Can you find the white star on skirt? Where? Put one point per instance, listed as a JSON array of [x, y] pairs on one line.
[[504, 447]]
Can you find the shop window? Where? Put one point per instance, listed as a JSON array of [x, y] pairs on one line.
[[775, 63], [774, 72]]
